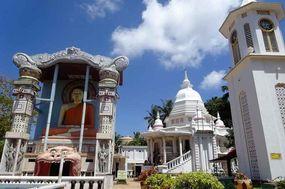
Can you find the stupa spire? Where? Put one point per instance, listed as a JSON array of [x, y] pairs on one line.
[[245, 2], [157, 115], [218, 115], [219, 122], [158, 123], [186, 83]]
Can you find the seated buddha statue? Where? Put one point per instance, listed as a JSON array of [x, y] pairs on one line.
[[70, 116]]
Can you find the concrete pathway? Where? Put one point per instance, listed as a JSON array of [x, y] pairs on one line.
[[131, 184]]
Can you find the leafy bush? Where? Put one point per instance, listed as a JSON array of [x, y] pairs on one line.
[[280, 184], [197, 180], [146, 173], [160, 181]]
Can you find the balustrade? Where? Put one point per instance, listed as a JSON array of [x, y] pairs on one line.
[[179, 160], [43, 181]]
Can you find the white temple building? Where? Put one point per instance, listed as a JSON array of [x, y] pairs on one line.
[[191, 137]]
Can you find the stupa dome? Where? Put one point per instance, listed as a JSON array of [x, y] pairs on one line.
[[187, 93]]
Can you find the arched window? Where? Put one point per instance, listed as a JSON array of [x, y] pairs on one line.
[[235, 47], [267, 28], [248, 35], [280, 93], [248, 133]]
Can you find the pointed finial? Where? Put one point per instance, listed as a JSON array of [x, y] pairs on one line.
[[186, 83], [185, 75], [218, 115], [157, 115], [245, 2]]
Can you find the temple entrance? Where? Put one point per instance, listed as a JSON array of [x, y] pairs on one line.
[[48, 162], [54, 169], [66, 168]]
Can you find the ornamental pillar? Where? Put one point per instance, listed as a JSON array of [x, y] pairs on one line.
[[196, 153], [25, 90], [107, 115], [164, 150]]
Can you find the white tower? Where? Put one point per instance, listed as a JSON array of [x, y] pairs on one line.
[[257, 87]]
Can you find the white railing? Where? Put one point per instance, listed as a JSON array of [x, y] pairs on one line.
[[179, 160], [69, 182]]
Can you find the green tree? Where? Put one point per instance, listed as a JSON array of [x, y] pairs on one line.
[[151, 117], [222, 105], [6, 103], [138, 140], [118, 142], [165, 109]]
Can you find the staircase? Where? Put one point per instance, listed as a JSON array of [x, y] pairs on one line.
[[180, 164]]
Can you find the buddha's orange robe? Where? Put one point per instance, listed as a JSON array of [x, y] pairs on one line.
[[73, 116]]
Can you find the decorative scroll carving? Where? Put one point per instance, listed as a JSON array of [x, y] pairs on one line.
[[71, 54]]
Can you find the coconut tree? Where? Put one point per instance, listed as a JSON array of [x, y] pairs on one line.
[[165, 109], [138, 140], [151, 117]]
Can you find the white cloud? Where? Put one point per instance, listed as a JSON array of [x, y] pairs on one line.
[[181, 32], [99, 8], [213, 80]]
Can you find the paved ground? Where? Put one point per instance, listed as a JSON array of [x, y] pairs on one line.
[[130, 185]]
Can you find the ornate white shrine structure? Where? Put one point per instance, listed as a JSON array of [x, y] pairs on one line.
[[76, 112], [191, 137]]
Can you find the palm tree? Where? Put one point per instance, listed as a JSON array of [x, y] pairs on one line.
[[117, 142], [165, 109], [138, 140], [151, 117]]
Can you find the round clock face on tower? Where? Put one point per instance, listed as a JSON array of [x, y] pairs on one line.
[[266, 25]]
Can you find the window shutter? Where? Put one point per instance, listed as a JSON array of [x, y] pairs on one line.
[[266, 40], [248, 35], [273, 41]]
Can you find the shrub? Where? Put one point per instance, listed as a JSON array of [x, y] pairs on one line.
[[280, 184], [197, 180], [160, 181], [146, 173]]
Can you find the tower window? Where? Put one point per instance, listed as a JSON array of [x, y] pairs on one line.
[[235, 47], [280, 93], [269, 37], [248, 35]]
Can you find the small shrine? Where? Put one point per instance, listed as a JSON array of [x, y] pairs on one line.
[[73, 96]]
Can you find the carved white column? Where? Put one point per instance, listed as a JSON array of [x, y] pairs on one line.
[[26, 88], [151, 150], [174, 150], [107, 114], [180, 147], [197, 153], [164, 150]]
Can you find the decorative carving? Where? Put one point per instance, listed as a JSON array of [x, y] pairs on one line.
[[280, 93], [71, 54], [53, 155], [103, 159], [21, 154], [10, 157]]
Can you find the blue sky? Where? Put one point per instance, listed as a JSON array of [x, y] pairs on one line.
[[159, 42]]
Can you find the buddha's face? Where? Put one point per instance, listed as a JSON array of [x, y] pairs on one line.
[[77, 95]]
